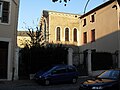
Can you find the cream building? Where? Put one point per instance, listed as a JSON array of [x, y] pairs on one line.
[[98, 29], [23, 39], [60, 28], [8, 37]]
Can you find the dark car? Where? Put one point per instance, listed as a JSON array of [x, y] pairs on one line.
[[108, 80], [57, 74]]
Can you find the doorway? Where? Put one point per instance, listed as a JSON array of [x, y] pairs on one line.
[[3, 59]]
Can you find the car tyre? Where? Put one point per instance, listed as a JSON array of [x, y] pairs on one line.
[[74, 80], [47, 82]]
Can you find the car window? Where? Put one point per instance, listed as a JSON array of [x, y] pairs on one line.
[[112, 74], [59, 71], [71, 69]]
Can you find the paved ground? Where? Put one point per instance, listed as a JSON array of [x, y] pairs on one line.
[[31, 85]]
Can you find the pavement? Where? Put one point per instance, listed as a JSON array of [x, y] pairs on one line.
[[29, 82], [32, 85]]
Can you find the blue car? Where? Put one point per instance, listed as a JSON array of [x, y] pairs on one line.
[[56, 74]]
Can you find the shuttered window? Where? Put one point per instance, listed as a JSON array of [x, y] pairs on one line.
[[58, 34], [0, 10], [67, 34], [75, 35], [4, 11], [85, 37]]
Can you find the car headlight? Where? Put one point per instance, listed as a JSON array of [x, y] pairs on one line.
[[99, 87]]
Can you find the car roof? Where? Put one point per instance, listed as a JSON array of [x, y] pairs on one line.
[[115, 69], [63, 65]]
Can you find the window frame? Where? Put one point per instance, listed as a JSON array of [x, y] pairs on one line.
[[1, 5], [7, 12], [75, 35], [92, 18], [84, 22], [67, 34], [84, 37], [93, 35], [58, 33]]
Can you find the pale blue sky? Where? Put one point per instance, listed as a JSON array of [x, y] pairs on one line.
[[31, 10]]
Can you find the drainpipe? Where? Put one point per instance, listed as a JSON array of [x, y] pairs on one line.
[[118, 36]]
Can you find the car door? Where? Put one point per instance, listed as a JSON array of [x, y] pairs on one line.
[[71, 73], [119, 80], [59, 74]]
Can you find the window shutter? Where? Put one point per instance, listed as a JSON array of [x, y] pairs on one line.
[[0, 10], [5, 12]]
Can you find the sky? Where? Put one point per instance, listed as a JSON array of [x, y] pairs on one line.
[[30, 11]]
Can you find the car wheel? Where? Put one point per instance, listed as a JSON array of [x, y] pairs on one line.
[[74, 80], [47, 82]]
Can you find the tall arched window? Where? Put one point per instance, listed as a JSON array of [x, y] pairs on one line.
[[75, 35], [58, 34], [45, 33], [66, 34]]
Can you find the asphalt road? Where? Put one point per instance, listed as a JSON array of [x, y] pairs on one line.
[[31, 85]]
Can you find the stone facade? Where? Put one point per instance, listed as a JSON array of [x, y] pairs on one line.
[[23, 39], [52, 20], [98, 29]]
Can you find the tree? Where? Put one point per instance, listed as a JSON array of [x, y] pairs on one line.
[[36, 36], [85, 5], [65, 1]]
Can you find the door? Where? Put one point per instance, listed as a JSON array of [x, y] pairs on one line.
[[3, 59]]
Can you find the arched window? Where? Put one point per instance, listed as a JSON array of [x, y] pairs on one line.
[[58, 34], [75, 35], [45, 33], [66, 34]]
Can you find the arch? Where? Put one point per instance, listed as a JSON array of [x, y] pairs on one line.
[[75, 34], [58, 33], [67, 34]]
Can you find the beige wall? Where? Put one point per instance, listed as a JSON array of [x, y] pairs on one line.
[[8, 33], [62, 20], [106, 27], [22, 41]]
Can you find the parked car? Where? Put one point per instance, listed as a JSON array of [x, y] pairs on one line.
[[108, 80], [57, 74]]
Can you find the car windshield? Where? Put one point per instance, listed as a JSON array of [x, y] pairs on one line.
[[110, 74]]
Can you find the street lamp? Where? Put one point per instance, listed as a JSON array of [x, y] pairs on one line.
[[86, 6]]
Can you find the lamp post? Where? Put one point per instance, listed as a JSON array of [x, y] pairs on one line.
[[86, 6]]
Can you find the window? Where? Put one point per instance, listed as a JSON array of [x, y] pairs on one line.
[[4, 11], [58, 34], [67, 34], [59, 71], [71, 69], [84, 23], [93, 35], [93, 18], [45, 33], [85, 37], [75, 35], [0, 10]]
